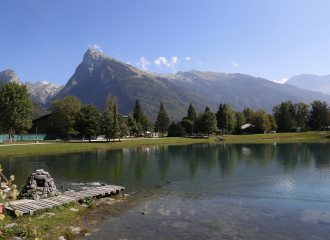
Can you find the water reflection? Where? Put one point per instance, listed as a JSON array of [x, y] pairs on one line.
[[254, 185]]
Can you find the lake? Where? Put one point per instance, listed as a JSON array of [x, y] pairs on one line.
[[217, 191]]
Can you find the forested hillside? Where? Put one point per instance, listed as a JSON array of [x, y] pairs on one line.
[[241, 91]]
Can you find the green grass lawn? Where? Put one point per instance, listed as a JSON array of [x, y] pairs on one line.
[[84, 146]]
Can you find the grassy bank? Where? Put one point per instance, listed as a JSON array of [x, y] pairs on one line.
[[53, 147]]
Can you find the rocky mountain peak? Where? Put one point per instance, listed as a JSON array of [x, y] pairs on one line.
[[9, 76], [93, 58]]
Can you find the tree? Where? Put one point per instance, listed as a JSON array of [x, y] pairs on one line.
[[273, 126], [240, 120], [64, 115], [302, 114], [131, 123], [145, 123], [188, 125], [137, 112], [284, 119], [176, 130], [15, 109], [87, 121], [247, 113], [260, 120], [106, 122], [319, 115], [209, 122], [124, 129], [226, 117], [163, 121], [108, 102], [115, 130], [192, 115]]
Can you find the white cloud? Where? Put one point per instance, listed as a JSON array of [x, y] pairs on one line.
[[97, 47], [200, 63], [45, 82], [128, 63], [162, 60], [144, 62], [280, 81], [234, 63], [187, 58]]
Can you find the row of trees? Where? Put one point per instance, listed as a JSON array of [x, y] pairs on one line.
[[71, 117], [286, 117]]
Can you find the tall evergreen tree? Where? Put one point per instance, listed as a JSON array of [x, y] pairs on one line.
[[192, 115], [226, 117], [137, 112], [163, 121], [284, 120], [15, 109], [240, 120], [115, 131]]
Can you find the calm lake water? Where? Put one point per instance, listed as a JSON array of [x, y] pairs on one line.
[[218, 191]]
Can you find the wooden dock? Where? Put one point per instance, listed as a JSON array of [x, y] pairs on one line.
[[30, 206]]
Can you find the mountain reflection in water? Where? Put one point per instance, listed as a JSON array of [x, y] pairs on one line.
[[229, 191]]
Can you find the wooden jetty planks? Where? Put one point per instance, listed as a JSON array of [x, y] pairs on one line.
[[30, 206]]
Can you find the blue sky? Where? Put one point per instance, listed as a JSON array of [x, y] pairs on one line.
[[46, 40]]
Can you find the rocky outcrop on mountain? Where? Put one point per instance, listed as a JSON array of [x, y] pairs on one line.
[[311, 82], [42, 92], [9, 76]]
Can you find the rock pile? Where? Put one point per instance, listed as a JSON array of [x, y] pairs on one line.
[[40, 184]]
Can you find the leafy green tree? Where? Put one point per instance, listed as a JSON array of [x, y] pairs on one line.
[[124, 129], [163, 121], [192, 115], [115, 130], [188, 125], [64, 115], [15, 109], [145, 123], [260, 120], [226, 117], [87, 121], [137, 112], [273, 126], [240, 120], [106, 122], [209, 122], [108, 102], [176, 130], [247, 114], [319, 115], [302, 111]]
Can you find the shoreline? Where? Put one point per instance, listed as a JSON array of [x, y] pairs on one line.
[[50, 147]]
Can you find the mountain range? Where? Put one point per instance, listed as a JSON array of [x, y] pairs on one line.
[[98, 75], [311, 82]]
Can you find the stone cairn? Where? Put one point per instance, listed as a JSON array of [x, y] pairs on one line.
[[40, 183]]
